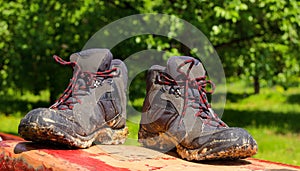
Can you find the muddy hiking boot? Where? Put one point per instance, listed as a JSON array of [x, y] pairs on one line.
[[177, 116], [92, 109]]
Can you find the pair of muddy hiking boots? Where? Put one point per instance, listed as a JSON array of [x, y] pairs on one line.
[[176, 113]]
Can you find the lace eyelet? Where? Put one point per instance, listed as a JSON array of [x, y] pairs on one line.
[[175, 91], [97, 84]]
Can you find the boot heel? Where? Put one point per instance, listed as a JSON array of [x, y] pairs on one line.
[[160, 141], [110, 136]]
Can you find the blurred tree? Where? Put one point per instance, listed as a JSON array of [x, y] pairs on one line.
[[265, 39], [33, 31], [257, 40]]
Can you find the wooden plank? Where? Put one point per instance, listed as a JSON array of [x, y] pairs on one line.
[[4, 136], [22, 155]]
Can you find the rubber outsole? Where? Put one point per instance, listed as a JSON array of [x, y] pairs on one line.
[[51, 134], [232, 153], [164, 143]]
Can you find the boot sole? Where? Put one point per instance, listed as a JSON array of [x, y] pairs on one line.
[[233, 153], [51, 134], [164, 143]]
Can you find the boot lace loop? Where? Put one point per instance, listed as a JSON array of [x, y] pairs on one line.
[[200, 83], [72, 89]]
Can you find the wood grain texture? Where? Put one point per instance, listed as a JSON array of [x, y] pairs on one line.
[[23, 155]]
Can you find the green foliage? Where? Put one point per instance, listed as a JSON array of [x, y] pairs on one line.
[[33, 31], [263, 43], [255, 39], [17, 103]]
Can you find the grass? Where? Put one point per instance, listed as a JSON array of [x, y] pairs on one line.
[[9, 124], [272, 117], [272, 146], [14, 105]]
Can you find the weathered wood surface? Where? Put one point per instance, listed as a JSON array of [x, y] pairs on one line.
[[22, 155]]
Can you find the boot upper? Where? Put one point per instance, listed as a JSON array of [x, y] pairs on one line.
[[176, 103], [95, 97]]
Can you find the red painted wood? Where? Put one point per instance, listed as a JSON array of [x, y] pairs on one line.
[[21, 155], [277, 163], [9, 137]]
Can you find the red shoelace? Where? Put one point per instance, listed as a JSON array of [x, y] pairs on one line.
[[90, 77], [199, 83]]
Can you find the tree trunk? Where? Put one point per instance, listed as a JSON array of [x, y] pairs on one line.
[[256, 85]]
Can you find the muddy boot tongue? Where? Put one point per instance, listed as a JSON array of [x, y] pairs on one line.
[[93, 60], [174, 62]]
